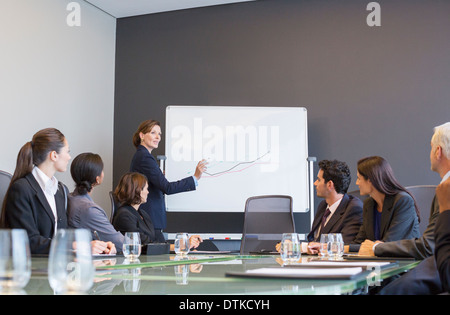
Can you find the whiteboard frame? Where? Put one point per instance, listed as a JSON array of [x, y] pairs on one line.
[[308, 165]]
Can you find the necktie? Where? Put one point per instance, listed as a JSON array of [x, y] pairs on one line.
[[324, 218]]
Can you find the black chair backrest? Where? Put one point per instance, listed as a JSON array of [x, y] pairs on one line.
[[5, 180], [266, 218], [358, 195], [424, 195], [114, 205]]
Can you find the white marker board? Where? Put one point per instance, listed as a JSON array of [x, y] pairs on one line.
[[251, 151]]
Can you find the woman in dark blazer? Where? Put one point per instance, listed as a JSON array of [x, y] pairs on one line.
[[35, 200], [131, 192], [145, 139], [390, 213]]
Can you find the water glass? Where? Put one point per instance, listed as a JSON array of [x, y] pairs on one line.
[[132, 245], [181, 244], [290, 248], [336, 246], [323, 247], [70, 266], [15, 261]]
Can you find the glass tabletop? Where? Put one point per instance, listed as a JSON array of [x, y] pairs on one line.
[[199, 274]]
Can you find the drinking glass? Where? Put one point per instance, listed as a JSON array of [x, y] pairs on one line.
[[323, 248], [132, 245], [181, 244], [290, 248], [15, 261], [70, 266], [336, 245]]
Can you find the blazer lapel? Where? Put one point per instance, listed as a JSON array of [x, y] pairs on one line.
[[40, 195], [60, 201], [337, 215], [386, 214], [368, 218], [319, 215]]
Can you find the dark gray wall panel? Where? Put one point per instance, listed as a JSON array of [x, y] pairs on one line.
[[368, 90]]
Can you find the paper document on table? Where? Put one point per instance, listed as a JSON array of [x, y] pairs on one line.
[[337, 264], [301, 273]]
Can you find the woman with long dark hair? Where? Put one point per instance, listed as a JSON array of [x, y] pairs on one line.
[[390, 213]]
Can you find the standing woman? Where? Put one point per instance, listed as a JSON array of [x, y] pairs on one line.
[[145, 139], [390, 213], [35, 200]]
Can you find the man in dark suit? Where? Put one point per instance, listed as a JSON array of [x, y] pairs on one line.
[[425, 278], [422, 247], [442, 235], [338, 212]]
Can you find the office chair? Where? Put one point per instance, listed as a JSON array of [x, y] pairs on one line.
[[5, 179], [114, 205], [424, 195], [358, 195], [266, 218]]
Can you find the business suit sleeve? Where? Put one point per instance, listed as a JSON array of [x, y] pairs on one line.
[[124, 222], [418, 248], [442, 251], [352, 222], [97, 220], [403, 223], [148, 166], [362, 233], [19, 215]]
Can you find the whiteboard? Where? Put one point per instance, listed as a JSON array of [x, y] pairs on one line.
[[251, 151]]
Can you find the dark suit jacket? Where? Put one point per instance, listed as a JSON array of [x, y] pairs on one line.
[[398, 220], [418, 248], [442, 250], [432, 275], [346, 219], [143, 162], [128, 219], [27, 208]]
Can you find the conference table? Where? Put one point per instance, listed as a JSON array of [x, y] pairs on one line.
[[216, 274]]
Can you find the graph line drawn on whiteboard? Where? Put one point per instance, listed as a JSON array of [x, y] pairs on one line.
[[233, 168]]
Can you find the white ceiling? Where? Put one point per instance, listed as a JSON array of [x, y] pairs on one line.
[[126, 8]]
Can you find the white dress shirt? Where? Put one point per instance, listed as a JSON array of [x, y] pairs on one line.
[[49, 186], [446, 176], [332, 208]]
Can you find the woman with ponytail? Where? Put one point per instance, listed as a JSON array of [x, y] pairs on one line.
[[35, 200], [83, 212]]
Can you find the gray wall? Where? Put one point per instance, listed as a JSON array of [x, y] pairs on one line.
[[368, 90], [53, 75]]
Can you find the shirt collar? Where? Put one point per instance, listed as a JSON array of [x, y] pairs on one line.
[[446, 176], [334, 206], [49, 185]]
